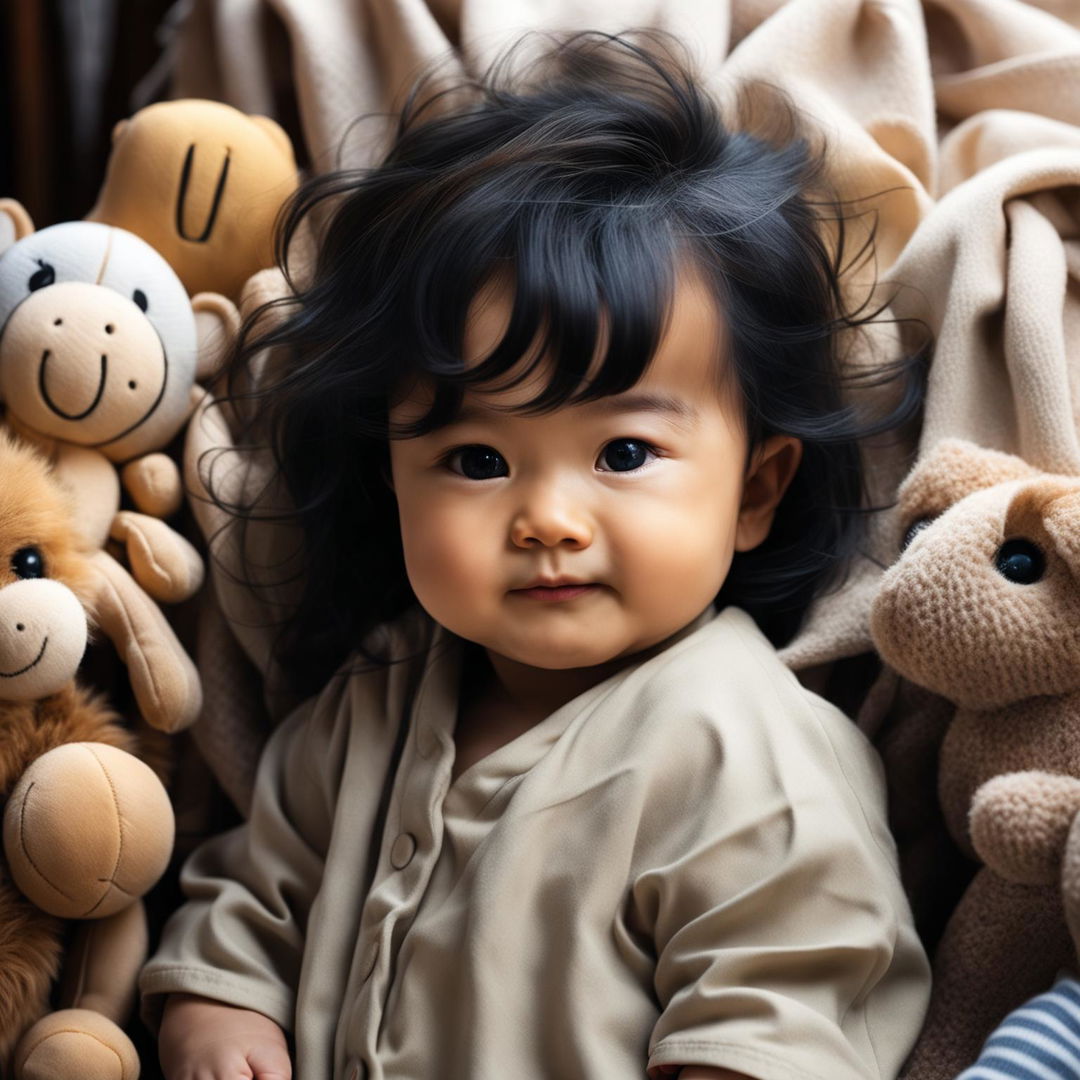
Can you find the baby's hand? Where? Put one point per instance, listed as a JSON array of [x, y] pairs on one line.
[[205, 1039]]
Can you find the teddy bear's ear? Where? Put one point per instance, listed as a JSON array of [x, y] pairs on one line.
[[952, 470], [217, 323], [276, 133], [1049, 510], [15, 223]]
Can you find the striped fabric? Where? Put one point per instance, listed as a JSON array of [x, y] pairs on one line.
[[1038, 1041]]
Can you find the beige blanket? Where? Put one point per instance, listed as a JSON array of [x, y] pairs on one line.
[[966, 113]]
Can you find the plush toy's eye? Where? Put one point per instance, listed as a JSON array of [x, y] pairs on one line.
[[28, 562], [39, 279], [140, 298], [1021, 561], [913, 530]]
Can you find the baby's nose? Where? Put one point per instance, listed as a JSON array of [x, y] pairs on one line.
[[548, 520]]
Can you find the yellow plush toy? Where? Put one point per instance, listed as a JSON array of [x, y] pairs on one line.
[[202, 183]]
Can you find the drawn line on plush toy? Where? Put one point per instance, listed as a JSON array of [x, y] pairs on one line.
[[120, 834], [23, 671], [56, 408], [149, 412], [75, 1031], [26, 851], [185, 176]]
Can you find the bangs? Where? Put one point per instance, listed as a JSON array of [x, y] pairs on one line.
[[591, 295], [590, 306]]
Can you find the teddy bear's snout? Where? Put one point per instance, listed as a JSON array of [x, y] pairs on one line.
[[42, 638]]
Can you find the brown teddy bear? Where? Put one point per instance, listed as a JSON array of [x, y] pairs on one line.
[[88, 827], [983, 608]]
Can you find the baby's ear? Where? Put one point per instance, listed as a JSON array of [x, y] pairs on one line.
[[773, 467], [1048, 511], [15, 223], [952, 470]]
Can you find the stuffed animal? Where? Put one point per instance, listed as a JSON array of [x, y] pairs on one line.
[[87, 827], [202, 183], [983, 608], [98, 359]]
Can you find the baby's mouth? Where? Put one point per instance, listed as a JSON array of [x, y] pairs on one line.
[[553, 593]]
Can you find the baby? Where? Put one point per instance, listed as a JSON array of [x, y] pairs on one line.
[[563, 426]]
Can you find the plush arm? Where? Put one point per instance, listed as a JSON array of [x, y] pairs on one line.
[[1020, 822], [153, 481], [100, 971], [163, 563], [163, 678]]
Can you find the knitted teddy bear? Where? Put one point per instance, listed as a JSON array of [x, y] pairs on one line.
[[87, 826], [983, 608]]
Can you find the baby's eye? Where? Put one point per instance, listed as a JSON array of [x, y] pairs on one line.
[[625, 455], [477, 462]]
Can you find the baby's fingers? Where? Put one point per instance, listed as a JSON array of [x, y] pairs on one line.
[[270, 1063]]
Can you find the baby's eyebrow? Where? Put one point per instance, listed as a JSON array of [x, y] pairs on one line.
[[671, 408]]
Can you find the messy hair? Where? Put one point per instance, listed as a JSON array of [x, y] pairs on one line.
[[589, 177]]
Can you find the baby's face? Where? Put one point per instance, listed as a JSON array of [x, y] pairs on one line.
[[590, 533]]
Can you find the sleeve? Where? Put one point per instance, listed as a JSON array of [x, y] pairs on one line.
[[785, 948], [240, 937]]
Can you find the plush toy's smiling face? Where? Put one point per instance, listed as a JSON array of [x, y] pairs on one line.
[[43, 627], [97, 339]]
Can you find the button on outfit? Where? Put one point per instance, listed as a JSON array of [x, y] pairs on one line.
[[402, 852], [686, 864]]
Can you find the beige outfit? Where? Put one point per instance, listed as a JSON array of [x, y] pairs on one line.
[[686, 864]]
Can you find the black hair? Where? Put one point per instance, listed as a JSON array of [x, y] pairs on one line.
[[589, 177]]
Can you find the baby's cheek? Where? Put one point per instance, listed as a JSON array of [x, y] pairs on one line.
[[446, 562]]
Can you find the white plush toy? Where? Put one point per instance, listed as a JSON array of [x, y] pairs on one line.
[[100, 348]]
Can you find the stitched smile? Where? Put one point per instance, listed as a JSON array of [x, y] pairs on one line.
[[56, 408], [23, 671]]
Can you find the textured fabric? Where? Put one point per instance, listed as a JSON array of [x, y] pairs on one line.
[[686, 864], [1040, 1041]]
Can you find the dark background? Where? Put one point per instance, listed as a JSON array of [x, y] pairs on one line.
[[69, 69]]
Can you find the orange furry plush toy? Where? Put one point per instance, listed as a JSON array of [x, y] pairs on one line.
[[983, 608], [87, 825]]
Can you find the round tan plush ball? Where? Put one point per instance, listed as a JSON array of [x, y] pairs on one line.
[[87, 830], [76, 1042]]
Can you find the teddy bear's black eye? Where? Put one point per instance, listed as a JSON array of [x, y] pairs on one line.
[[140, 299], [913, 530], [39, 279], [1021, 561], [28, 562]]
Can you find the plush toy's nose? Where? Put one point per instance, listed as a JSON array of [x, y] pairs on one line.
[[74, 354]]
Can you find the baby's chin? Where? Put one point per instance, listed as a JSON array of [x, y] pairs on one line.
[[561, 652]]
